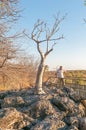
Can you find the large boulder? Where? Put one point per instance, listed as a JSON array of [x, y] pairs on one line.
[[41, 108], [64, 103], [11, 119]]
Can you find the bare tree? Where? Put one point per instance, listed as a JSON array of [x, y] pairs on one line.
[[49, 37], [15, 70], [8, 15], [8, 8]]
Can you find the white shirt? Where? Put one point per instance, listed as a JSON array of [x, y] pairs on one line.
[[60, 73]]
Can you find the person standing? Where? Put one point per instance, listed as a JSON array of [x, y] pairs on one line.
[[60, 76]]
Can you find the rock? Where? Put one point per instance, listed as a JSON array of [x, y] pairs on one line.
[[67, 90], [75, 96], [82, 110], [12, 101], [83, 102], [72, 121], [60, 93], [82, 124], [10, 118], [64, 103], [73, 128], [3, 94], [49, 123], [41, 108], [58, 109]]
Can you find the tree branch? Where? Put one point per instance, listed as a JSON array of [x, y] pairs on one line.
[[48, 52]]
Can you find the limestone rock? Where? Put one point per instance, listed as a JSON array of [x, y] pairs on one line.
[[41, 109], [10, 118], [12, 101], [49, 123], [57, 109]]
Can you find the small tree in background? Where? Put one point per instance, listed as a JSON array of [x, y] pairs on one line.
[[16, 70], [42, 34], [85, 5], [8, 15], [84, 2]]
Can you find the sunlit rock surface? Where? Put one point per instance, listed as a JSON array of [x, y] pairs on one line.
[[57, 109]]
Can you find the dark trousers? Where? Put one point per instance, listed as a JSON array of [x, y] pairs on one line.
[[61, 82]]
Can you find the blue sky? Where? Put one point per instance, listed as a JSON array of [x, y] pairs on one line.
[[69, 52]]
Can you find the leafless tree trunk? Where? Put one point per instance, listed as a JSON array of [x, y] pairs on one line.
[[40, 76], [42, 34]]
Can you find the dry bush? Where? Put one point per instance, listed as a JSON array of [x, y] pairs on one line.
[[14, 73]]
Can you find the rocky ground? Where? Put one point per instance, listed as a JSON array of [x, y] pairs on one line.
[[58, 109]]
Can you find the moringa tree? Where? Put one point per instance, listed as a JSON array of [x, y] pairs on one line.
[[42, 34]]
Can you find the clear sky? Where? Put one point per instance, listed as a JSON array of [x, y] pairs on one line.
[[71, 51]]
